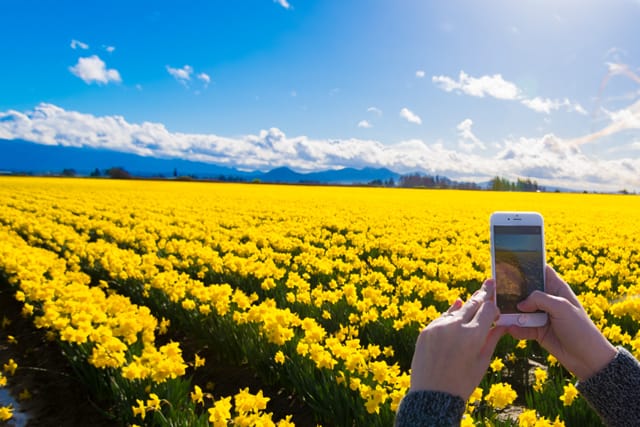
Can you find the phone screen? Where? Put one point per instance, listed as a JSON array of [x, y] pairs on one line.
[[519, 264]]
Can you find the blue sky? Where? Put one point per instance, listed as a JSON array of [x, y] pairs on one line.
[[470, 89]]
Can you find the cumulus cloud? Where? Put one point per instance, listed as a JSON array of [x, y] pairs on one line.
[[364, 124], [92, 69], [550, 160], [205, 78], [546, 105], [497, 87], [420, 74], [410, 116], [77, 44], [468, 141], [187, 74], [283, 3], [182, 75], [494, 86]]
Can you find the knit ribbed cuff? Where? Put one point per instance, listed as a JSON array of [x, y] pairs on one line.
[[614, 392], [430, 408]]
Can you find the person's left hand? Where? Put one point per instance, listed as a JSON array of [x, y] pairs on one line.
[[454, 351]]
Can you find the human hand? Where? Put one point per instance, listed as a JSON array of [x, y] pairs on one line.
[[453, 352], [569, 335]]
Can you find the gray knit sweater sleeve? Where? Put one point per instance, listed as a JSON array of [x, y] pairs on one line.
[[429, 408], [614, 392]]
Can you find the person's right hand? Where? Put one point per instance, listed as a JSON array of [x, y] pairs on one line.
[[569, 335]]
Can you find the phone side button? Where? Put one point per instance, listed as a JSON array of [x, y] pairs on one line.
[[522, 319]]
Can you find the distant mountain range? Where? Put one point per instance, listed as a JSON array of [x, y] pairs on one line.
[[19, 156]]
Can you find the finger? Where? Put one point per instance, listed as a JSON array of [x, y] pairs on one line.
[[455, 306], [521, 333], [542, 301], [492, 340], [556, 286], [491, 286], [486, 315], [469, 309]]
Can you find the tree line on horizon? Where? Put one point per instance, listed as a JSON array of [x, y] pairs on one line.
[[413, 180]]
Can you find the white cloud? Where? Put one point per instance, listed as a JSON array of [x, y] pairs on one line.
[[92, 69], [497, 87], [546, 105], [494, 86], [410, 116], [205, 78], [550, 160], [283, 3], [182, 75], [468, 141], [110, 49], [420, 74], [187, 74], [364, 124], [76, 44], [375, 110]]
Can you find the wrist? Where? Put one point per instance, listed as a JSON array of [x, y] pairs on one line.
[[599, 359]]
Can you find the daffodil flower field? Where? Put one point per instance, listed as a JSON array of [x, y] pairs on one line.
[[320, 290]]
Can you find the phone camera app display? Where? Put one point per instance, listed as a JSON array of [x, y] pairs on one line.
[[519, 264]]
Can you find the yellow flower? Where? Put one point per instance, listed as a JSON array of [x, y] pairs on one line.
[[3, 380], [541, 377], [199, 361], [279, 357], [528, 418], [10, 367], [140, 410], [552, 360], [164, 326], [285, 422], [522, 344], [11, 339], [246, 402], [569, 395], [500, 395], [220, 414], [497, 365], [467, 421], [154, 402], [476, 396], [197, 395], [6, 413]]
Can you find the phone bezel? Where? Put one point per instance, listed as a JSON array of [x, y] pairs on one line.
[[501, 218]]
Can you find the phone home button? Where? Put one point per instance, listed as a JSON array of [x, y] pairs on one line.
[[522, 319]]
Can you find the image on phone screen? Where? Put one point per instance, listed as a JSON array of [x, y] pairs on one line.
[[519, 264]]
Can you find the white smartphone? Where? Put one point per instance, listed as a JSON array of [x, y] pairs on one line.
[[518, 264]]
